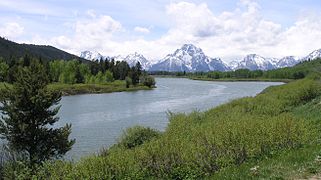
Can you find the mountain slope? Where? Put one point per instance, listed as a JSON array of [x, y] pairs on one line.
[[255, 62], [131, 59], [92, 56], [315, 54], [10, 48], [189, 58], [287, 61]]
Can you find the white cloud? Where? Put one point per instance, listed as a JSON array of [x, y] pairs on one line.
[[11, 30], [229, 35], [304, 36], [91, 34], [141, 30]]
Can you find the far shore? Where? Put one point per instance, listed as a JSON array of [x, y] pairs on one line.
[[77, 89], [226, 79]]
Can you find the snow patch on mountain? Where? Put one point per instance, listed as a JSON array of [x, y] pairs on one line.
[[255, 62], [315, 54], [132, 60], [92, 56], [288, 61]]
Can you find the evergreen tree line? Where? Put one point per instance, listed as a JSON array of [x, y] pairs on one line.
[[71, 72]]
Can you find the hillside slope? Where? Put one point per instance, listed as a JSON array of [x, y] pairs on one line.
[[10, 48]]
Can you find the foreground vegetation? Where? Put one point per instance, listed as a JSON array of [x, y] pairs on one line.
[[273, 135]]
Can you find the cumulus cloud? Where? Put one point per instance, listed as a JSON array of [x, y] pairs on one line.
[[304, 36], [229, 35], [233, 34], [11, 30], [89, 34], [141, 30]]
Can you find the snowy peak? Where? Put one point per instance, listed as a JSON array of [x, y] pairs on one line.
[[255, 62], [287, 61], [132, 60], [189, 49], [92, 56], [315, 54], [189, 58]]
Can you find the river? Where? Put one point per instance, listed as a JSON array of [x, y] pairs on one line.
[[99, 119]]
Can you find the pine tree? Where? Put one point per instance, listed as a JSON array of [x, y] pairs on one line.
[[79, 77], [28, 113], [138, 67], [135, 73]]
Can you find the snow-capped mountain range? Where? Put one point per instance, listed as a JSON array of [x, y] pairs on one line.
[[190, 58]]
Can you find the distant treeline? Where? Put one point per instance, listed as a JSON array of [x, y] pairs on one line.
[[75, 71], [299, 71]]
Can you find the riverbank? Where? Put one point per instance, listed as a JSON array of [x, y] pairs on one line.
[[75, 89], [241, 79], [227, 79]]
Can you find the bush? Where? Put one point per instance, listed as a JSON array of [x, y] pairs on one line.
[[148, 81], [136, 136], [128, 82]]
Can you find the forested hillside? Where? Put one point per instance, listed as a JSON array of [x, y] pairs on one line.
[[10, 49]]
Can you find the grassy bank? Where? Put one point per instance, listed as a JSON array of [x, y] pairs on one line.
[[73, 89], [241, 79], [117, 86], [246, 138]]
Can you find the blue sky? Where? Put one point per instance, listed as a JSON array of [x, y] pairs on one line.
[[228, 29]]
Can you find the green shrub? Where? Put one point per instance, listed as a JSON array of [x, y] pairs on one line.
[[148, 81], [136, 136], [128, 82]]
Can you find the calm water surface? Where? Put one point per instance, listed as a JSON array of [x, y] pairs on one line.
[[99, 119]]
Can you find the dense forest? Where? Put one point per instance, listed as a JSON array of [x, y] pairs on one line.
[[77, 72]]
